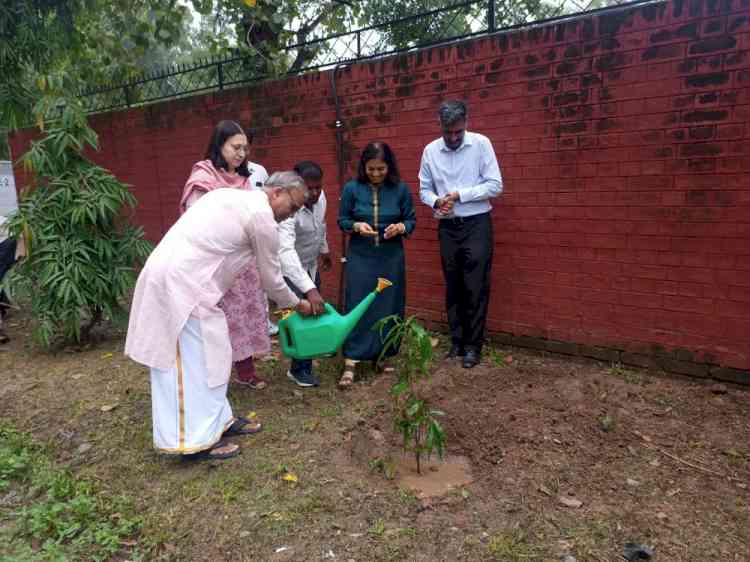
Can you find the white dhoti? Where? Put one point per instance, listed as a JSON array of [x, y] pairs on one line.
[[188, 415]]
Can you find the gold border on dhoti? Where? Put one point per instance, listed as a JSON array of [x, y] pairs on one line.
[[180, 400], [199, 448]]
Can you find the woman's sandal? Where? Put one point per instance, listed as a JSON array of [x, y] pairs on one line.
[[243, 426], [254, 382], [347, 379], [213, 453]]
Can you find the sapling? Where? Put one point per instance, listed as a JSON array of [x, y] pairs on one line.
[[413, 416]]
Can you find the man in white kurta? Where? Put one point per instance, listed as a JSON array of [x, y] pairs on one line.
[[176, 327]]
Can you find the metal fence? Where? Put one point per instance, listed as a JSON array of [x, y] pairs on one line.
[[450, 23]]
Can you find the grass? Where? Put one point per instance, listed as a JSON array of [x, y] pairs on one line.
[[244, 509], [511, 546], [497, 357], [62, 518], [628, 375]]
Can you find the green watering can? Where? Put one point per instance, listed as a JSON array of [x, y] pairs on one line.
[[314, 336]]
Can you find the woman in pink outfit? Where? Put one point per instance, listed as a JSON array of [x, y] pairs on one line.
[[244, 305]]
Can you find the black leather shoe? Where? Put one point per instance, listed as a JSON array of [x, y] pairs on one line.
[[471, 358], [456, 351]]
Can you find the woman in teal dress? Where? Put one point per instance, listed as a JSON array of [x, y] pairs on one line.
[[377, 210]]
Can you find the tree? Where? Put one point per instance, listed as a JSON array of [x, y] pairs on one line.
[[81, 251]]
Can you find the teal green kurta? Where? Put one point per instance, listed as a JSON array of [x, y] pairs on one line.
[[369, 258]]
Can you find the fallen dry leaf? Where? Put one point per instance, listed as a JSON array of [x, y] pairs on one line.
[[108, 407], [107, 355], [290, 477]]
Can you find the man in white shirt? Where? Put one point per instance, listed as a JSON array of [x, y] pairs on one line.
[[458, 176], [303, 242]]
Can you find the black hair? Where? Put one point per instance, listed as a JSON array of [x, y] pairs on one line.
[[452, 112], [383, 152], [223, 131], [309, 170]]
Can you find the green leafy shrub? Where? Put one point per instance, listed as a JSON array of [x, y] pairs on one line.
[[82, 252], [414, 418]]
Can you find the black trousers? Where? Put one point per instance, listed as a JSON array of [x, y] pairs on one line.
[[7, 259], [466, 247]]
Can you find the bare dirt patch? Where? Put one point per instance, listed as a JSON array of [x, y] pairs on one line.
[[567, 457]]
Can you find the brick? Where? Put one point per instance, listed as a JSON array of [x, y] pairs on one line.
[[565, 348], [683, 367], [639, 360], [600, 353], [712, 45], [730, 375], [687, 304]]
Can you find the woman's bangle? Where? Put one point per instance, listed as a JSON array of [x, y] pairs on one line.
[[403, 228]]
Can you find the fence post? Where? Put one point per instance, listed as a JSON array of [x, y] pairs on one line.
[[491, 25], [220, 71], [359, 45], [126, 90]]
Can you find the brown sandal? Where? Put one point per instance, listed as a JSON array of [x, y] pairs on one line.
[[254, 382]]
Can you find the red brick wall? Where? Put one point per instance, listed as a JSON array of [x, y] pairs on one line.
[[624, 146]]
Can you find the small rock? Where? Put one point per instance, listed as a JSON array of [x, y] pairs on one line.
[[633, 483], [719, 388], [661, 516], [569, 502], [298, 394], [244, 534], [83, 448], [377, 436], [569, 558]]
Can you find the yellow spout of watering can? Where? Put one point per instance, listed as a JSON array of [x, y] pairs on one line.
[[315, 336]]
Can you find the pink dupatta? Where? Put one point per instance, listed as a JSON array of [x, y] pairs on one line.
[[204, 177]]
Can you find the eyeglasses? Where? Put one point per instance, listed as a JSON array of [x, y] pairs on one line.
[[240, 148]]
